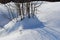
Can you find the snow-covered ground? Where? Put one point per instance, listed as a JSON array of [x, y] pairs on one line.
[[44, 26]]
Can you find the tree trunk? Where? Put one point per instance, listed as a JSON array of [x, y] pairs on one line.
[[28, 9]]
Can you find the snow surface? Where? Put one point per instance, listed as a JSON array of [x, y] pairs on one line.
[[44, 26]]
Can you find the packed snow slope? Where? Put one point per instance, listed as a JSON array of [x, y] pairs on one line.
[[45, 25]]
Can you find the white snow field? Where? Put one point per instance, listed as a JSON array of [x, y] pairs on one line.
[[44, 26]]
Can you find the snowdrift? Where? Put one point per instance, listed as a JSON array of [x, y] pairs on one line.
[[44, 26]]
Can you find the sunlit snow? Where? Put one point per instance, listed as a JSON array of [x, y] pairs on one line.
[[45, 25]]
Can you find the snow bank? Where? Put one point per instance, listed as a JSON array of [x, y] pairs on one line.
[[48, 17]]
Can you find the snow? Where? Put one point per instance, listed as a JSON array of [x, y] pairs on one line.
[[45, 25]]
